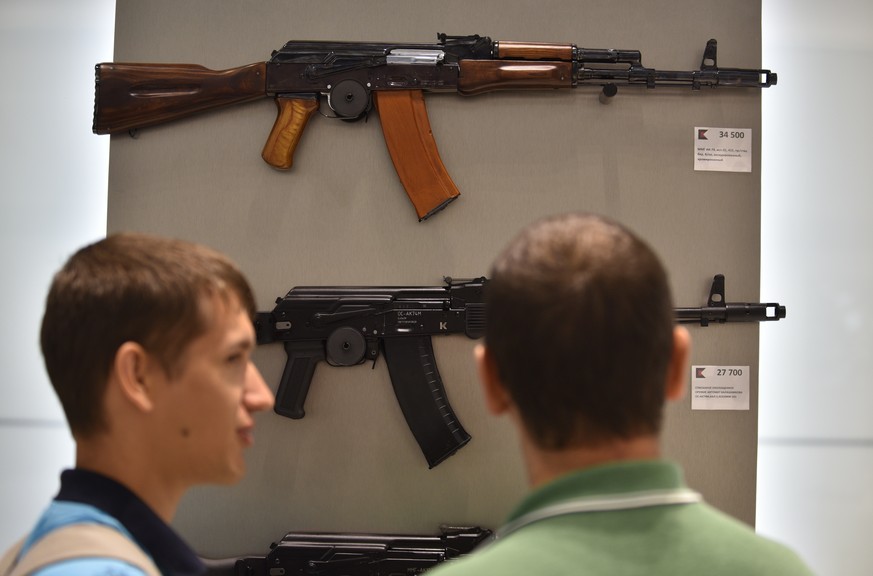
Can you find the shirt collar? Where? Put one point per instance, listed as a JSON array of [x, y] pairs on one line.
[[613, 478], [170, 553]]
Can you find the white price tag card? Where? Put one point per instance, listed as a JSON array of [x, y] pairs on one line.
[[719, 387], [723, 149]]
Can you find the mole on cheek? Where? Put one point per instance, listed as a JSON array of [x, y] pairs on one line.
[[185, 432]]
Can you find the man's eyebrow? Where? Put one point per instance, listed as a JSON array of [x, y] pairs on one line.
[[242, 342]]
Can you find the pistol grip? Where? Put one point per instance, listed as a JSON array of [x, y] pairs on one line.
[[413, 150], [297, 376], [293, 115]]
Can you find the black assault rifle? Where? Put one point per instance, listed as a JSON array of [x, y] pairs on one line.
[[329, 554], [346, 326], [356, 76], [719, 311]]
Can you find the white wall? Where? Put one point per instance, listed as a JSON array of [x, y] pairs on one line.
[[816, 446], [54, 178], [815, 455]]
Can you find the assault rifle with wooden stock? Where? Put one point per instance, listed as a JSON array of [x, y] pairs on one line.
[[355, 76]]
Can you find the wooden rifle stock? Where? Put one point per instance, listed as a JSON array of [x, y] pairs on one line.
[[129, 96]]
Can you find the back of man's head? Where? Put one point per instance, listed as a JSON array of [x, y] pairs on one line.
[[128, 288], [580, 325]]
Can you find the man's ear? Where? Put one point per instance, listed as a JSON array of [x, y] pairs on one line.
[[677, 371], [132, 374], [497, 399]]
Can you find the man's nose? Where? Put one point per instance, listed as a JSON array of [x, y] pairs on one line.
[[257, 395]]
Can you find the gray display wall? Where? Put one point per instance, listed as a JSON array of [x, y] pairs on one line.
[[341, 217]]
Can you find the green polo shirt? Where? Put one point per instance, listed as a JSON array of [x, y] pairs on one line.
[[654, 540]]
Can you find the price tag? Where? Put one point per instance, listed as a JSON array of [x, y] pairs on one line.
[[723, 149], [719, 387]]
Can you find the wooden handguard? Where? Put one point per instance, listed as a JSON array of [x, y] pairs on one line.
[[478, 76], [413, 150], [129, 96], [294, 113], [534, 51]]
